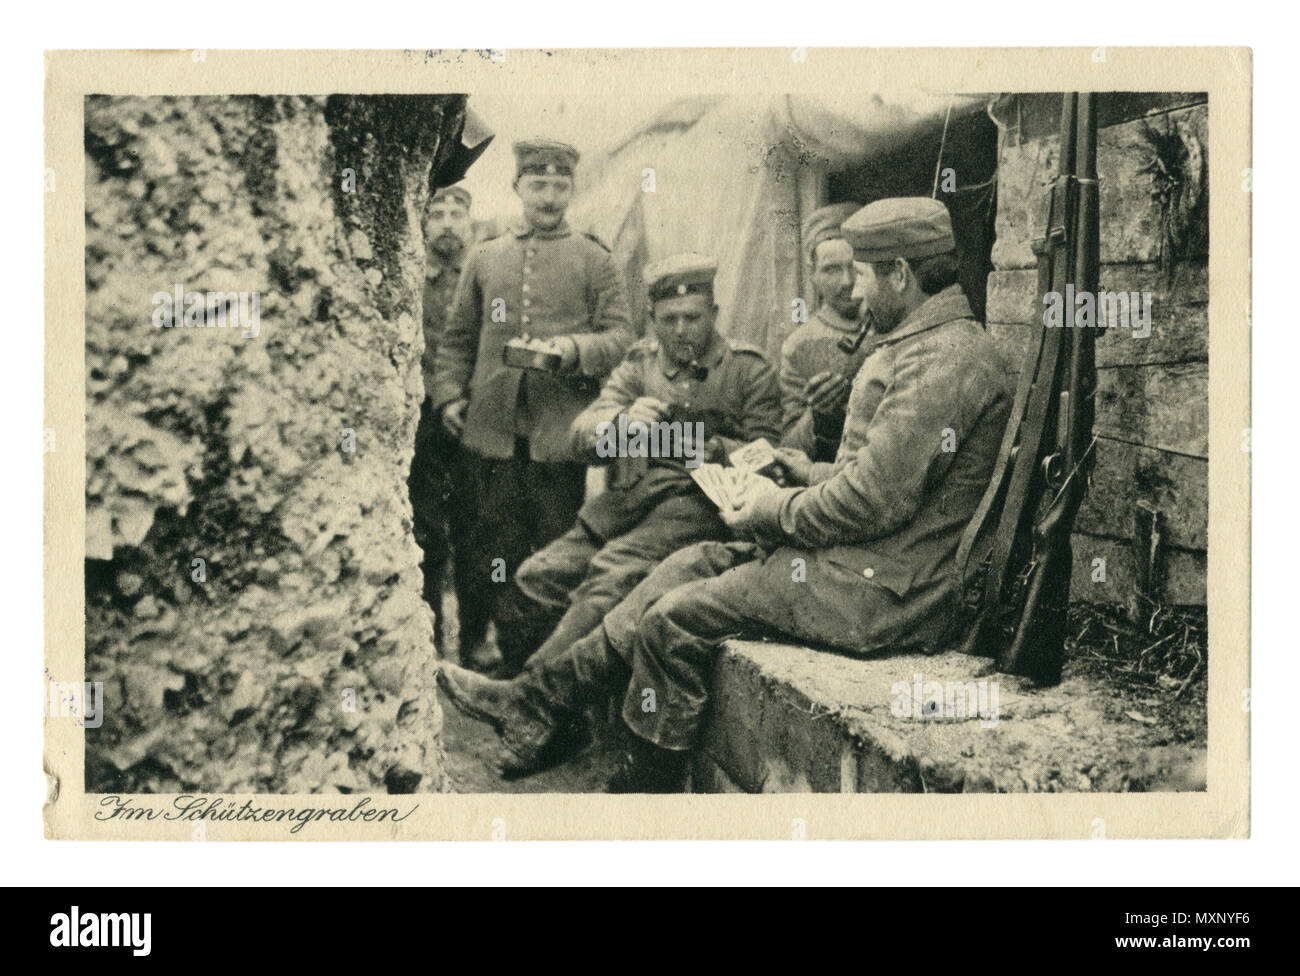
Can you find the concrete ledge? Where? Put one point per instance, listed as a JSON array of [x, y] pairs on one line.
[[790, 719]]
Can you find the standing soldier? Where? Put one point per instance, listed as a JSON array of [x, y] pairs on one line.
[[540, 280], [815, 372], [442, 500]]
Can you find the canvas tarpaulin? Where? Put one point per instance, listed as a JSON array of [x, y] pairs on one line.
[[732, 177]]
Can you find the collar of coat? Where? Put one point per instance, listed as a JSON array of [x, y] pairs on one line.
[[711, 358], [523, 229], [834, 320], [947, 306]]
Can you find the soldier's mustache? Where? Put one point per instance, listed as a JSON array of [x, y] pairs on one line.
[[685, 352]]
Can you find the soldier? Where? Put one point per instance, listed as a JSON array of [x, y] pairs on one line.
[[876, 538], [539, 279], [815, 372], [688, 374], [441, 497]]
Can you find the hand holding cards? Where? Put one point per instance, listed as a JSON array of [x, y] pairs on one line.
[[757, 456], [732, 487]]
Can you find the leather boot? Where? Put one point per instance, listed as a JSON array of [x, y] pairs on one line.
[[521, 627], [646, 768], [570, 737], [537, 734]]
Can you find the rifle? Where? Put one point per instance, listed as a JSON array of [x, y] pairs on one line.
[[1015, 599]]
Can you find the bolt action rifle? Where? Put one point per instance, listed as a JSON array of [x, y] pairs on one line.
[[1015, 557]]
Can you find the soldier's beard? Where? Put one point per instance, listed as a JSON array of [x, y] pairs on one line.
[[545, 219], [845, 306], [447, 246], [683, 353], [885, 320]]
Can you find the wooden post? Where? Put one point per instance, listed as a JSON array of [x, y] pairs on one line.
[[1148, 550]]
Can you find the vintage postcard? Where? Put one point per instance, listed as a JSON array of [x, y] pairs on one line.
[[617, 444]]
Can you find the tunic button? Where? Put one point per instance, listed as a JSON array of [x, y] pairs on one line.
[[527, 302], [524, 320], [868, 572], [527, 269], [525, 287]]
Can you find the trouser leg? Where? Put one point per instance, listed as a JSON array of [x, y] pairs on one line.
[[581, 679], [624, 562], [555, 495], [462, 519], [551, 574], [674, 647], [672, 644], [700, 561], [499, 541], [586, 673], [545, 505], [429, 527], [548, 577]]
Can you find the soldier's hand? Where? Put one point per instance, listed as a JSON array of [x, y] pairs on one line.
[[453, 417], [827, 392], [568, 350], [795, 464], [742, 515], [740, 519], [647, 410]]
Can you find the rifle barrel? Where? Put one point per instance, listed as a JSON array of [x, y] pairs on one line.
[[1082, 375]]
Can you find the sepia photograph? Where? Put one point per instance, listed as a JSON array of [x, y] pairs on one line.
[[535, 436]]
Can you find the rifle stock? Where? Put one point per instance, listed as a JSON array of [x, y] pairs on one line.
[[1017, 577]]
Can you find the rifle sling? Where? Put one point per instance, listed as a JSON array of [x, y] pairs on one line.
[[1002, 468]]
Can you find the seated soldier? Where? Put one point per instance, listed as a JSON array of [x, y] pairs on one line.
[[860, 562], [687, 376], [816, 369]]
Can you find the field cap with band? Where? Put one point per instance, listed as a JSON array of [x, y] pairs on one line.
[[681, 274], [457, 194], [823, 224], [544, 157], [899, 227]]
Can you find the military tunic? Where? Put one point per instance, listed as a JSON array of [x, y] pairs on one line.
[[440, 279], [735, 397], [543, 284], [808, 350], [527, 482], [653, 508]]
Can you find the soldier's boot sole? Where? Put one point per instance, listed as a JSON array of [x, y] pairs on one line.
[[525, 729], [564, 744]]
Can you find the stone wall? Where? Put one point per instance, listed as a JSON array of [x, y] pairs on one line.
[[1153, 393], [788, 719], [252, 587]]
